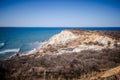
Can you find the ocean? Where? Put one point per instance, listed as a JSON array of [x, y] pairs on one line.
[[24, 39]]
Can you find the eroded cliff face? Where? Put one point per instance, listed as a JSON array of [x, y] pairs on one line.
[[69, 41], [62, 38]]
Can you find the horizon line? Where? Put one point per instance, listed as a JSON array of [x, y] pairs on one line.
[[60, 26]]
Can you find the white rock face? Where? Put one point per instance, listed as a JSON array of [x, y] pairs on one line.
[[72, 42], [80, 48], [62, 38], [103, 39]]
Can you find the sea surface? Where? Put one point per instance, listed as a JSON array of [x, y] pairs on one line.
[[24, 39]]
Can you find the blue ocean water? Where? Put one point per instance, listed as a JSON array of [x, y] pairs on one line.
[[23, 39]]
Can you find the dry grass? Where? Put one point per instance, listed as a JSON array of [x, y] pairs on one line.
[[59, 67]]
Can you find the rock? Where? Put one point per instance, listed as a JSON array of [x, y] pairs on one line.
[[62, 38], [70, 41]]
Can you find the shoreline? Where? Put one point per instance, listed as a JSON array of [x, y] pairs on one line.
[[81, 53]]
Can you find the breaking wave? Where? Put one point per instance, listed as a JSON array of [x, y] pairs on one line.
[[36, 46], [9, 50]]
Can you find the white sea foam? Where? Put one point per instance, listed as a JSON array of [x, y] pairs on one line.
[[41, 44], [2, 44], [10, 50], [31, 52], [37, 46]]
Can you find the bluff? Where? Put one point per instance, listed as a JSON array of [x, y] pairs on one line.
[[69, 41]]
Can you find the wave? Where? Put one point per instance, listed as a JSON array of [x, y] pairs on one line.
[[2, 44], [36, 46], [41, 44], [10, 50], [30, 52]]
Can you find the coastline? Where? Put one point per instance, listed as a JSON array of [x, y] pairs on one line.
[[35, 34], [70, 54], [35, 50]]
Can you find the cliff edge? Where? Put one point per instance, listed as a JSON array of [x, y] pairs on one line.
[[69, 41]]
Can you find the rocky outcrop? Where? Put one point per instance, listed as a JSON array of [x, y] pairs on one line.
[[62, 38], [69, 41]]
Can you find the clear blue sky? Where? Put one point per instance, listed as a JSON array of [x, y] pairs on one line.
[[60, 13]]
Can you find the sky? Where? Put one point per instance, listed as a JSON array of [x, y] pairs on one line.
[[59, 13]]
